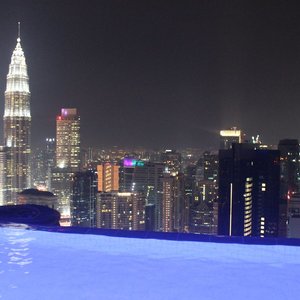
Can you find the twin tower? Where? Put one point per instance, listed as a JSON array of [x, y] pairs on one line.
[[17, 124]]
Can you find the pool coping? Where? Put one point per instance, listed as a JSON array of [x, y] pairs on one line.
[[171, 236]]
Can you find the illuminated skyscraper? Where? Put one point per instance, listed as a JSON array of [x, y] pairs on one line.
[[173, 203], [17, 122], [68, 139], [108, 177], [83, 201], [248, 191], [114, 210], [230, 136]]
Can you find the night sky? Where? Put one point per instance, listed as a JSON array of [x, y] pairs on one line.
[[158, 73]]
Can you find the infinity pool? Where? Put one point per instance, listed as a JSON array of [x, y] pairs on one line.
[[40, 265]]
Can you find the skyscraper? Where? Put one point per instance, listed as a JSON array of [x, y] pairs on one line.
[[289, 167], [248, 191], [4, 181], [173, 203], [172, 159], [108, 177], [83, 201], [230, 136], [114, 210], [17, 123], [68, 139], [67, 159]]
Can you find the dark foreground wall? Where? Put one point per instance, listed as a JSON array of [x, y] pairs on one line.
[[30, 214]]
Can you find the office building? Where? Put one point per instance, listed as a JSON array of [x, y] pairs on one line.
[[230, 136], [150, 217], [43, 160], [108, 177], [289, 167], [61, 186], [83, 200], [202, 217], [172, 160], [114, 210], [126, 170], [17, 123], [293, 217], [137, 176], [67, 159], [248, 191], [174, 204], [49, 156], [5, 180], [138, 211], [68, 139]]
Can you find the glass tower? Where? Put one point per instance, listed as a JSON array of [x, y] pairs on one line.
[[17, 123]]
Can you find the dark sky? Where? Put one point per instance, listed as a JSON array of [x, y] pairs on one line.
[[159, 73]]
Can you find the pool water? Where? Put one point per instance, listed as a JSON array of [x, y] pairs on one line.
[[48, 265]]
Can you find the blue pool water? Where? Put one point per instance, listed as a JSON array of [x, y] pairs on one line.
[[49, 265]]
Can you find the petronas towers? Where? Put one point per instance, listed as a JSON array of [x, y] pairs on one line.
[[17, 123]]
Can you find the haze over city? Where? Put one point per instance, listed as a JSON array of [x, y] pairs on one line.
[[158, 73]]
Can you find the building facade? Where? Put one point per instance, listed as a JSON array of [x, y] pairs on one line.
[[83, 201], [248, 191], [108, 177], [174, 204], [114, 210], [17, 124], [68, 139], [230, 136], [289, 167]]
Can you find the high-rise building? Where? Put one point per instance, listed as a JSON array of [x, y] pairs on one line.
[[43, 160], [127, 167], [83, 201], [174, 204], [172, 159], [17, 123], [39, 169], [138, 211], [289, 179], [108, 177], [248, 191], [61, 186], [202, 217], [230, 136], [4, 180], [67, 159], [144, 177], [293, 224], [289, 167], [68, 139], [114, 210], [49, 159]]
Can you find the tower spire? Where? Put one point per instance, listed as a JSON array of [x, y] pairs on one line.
[[19, 32]]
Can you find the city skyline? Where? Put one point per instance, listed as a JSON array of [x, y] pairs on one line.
[[158, 74]]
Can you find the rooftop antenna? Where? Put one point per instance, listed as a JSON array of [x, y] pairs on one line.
[[19, 32]]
